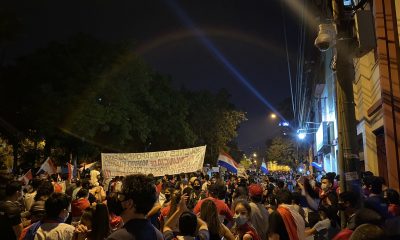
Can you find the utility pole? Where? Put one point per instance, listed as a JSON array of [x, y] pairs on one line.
[[349, 164]]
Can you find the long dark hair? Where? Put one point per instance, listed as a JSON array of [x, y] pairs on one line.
[[209, 214], [98, 216], [175, 199]]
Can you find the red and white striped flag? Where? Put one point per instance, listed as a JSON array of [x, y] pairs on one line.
[[49, 167], [27, 177], [106, 173], [70, 171]]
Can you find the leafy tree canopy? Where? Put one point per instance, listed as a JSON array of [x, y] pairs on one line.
[[88, 96], [282, 150]]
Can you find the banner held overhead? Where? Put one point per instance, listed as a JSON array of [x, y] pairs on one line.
[[156, 163]]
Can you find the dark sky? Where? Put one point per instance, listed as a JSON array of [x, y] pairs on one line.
[[249, 34]]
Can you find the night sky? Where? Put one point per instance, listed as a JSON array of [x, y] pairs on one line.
[[249, 34]]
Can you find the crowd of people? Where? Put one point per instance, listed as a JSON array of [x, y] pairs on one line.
[[198, 206]]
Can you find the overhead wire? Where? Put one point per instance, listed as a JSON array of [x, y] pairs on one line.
[[288, 62]]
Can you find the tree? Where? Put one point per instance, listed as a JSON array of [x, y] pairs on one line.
[[282, 150], [89, 96], [214, 120], [246, 163], [85, 96]]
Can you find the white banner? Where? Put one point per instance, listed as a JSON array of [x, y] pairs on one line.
[[156, 163]]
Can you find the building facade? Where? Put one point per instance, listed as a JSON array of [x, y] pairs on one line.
[[325, 117], [377, 96]]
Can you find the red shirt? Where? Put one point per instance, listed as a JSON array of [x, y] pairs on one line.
[[57, 188], [222, 208], [345, 234], [394, 210], [159, 187], [78, 206], [165, 211]]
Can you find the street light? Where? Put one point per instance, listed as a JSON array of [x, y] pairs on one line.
[[301, 136], [254, 154], [273, 116], [302, 133]]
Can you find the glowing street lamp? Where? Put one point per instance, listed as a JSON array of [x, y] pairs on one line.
[[273, 116], [301, 134], [254, 154]]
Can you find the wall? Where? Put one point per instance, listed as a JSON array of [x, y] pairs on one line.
[[367, 92], [386, 27]]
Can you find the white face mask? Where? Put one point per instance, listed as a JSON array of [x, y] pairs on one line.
[[324, 187]]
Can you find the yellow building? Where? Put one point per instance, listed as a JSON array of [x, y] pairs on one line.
[[377, 96]]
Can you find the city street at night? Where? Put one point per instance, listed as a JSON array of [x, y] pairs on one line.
[[214, 119]]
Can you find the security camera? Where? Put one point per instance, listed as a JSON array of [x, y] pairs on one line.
[[326, 37]]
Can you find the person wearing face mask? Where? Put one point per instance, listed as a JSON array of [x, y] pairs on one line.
[[327, 194], [195, 195], [243, 228], [166, 193], [53, 226], [136, 199]]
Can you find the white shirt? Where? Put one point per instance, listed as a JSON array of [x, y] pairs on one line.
[[76, 190], [55, 231], [29, 199], [93, 177]]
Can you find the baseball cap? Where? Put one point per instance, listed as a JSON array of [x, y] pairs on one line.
[[255, 190]]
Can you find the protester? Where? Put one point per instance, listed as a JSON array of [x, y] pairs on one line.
[[94, 224], [254, 207], [37, 213], [57, 208], [284, 222], [214, 191], [98, 192], [94, 177], [209, 214], [168, 210], [375, 200], [188, 224], [79, 204], [391, 197], [206, 184], [116, 222], [29, 197], [325, 228], [196, 194], [78, 187], [44, 191], [57, 187], [259, 214], [10, 212], [137, 197], [243, 228]]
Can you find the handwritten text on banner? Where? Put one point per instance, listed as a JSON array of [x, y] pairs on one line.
[[156, 163]]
